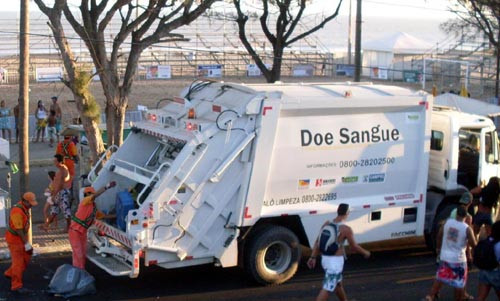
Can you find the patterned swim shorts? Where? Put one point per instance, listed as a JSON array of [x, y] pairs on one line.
[[452, 273], [331, 280], [62, 201]]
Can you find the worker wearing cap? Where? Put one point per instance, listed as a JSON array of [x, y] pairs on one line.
[[17, 240], [465, 200], [82, 220], [68, 150]]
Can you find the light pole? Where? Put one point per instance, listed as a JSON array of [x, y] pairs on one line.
[[24, 58], [357, 45]]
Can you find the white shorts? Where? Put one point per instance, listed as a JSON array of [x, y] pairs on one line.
[[333, 266]]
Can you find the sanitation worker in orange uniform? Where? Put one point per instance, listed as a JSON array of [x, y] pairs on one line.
[[82, 220], [17, 240], [68, 150]]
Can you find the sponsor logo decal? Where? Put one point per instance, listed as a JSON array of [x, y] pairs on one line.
[[374, 178], [318, 183], [351, 179], [304, 183], [412, 118]]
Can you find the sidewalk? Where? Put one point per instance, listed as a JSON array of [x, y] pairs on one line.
[[54, 241], [40, 154]]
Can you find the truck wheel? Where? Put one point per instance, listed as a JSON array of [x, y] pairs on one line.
[[439, 220], [273, 255]]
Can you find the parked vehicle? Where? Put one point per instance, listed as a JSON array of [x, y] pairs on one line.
[[243, 174]]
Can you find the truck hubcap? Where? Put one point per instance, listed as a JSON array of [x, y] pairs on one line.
[[277, 257]]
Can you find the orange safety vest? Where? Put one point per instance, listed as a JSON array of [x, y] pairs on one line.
[[64, 148], [85, 221], [11, 236]]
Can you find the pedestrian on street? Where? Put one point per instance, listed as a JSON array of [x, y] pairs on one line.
[[49, 202], [334, 264], [82, 220], [488, 201], [17, 240], [55, 107], [453, 239], [41, 120], [4, 120], [491, 278], [60, 194]]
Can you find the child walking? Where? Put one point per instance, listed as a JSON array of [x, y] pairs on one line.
[[49, 203]]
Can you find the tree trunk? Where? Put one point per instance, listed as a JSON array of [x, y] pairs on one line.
[[92, 130], [110, 124], [119, 119], [111, 92], [277, 62]]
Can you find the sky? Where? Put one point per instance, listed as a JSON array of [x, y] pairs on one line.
[[434, 9]]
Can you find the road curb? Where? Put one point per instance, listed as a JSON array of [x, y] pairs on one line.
[[41, 162]]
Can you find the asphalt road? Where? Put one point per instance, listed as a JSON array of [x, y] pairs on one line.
[[390, 275]]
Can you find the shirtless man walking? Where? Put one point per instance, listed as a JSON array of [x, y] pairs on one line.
[[334, 265], [60, 193]]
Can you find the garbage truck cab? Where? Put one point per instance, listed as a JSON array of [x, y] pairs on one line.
[[234, 174], [464, 153]]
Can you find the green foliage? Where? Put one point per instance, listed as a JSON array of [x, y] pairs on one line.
[[91, 108]]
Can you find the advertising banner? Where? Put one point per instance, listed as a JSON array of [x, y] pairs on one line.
[[378, 73], [342, 157], [253, 70], [49, 74], [411, 76], [159, 72], [344, 69], [303, 70], [210, 70]]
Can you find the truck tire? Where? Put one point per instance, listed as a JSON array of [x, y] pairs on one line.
[[273, 255], [441, 216]]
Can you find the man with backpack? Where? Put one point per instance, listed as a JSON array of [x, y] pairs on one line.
[[330, 244], [453, 239], [487, 259]]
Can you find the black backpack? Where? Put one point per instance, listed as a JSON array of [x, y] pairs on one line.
[[484, 254], [328, 239]]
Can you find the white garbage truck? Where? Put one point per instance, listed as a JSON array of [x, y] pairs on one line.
[[234, 174]]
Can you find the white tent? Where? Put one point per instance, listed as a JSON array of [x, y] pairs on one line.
[[467, 105], [389, 52]]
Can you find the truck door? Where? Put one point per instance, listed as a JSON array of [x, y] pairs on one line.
[[488, 163]]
